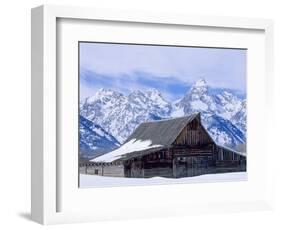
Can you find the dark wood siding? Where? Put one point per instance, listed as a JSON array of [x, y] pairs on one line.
[[228, 161], [193, 134]]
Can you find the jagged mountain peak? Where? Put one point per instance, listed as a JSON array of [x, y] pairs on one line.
[[136, 92], [198, 89], [156, 96], [200, 83], [153, 91], [197, 99], [150, 98], [226, 95], [107, 92], [103, 93]]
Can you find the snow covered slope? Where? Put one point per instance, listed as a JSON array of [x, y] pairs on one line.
[[94, 140], [223, 131]]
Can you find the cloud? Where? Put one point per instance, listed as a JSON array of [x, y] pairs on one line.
[[170, 87], [171, 69]]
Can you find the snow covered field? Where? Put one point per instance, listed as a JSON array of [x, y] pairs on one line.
[[100, 181]]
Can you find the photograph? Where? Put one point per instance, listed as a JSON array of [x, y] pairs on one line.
[[161, 114]]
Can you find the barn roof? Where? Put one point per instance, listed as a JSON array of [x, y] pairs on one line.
[[162, 132], [148, 137]]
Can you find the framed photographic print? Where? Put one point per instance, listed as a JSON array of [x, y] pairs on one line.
[[148, 111], [132, 108]]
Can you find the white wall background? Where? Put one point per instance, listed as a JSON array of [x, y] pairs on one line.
[[15, 111]]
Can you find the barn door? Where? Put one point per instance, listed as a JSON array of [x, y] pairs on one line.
[[193, 166], [186, 167], [189, 166]]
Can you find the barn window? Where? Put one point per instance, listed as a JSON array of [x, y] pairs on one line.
[[96, 171]]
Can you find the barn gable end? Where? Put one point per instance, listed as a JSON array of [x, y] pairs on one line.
[[193, 133]]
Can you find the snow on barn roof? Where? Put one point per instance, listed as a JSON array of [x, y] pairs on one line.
[[149, 136], [132, 146]]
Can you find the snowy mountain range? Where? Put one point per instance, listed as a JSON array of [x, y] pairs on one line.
[[223, 113], [120, 115]]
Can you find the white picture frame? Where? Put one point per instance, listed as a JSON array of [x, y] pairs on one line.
[[48, 188]]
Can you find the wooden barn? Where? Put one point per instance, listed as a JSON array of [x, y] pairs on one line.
[[173, 148]]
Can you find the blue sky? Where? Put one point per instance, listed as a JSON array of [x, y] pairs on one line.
[[169, 69]]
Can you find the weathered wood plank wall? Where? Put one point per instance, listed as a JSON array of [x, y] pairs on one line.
[[193, 134]]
